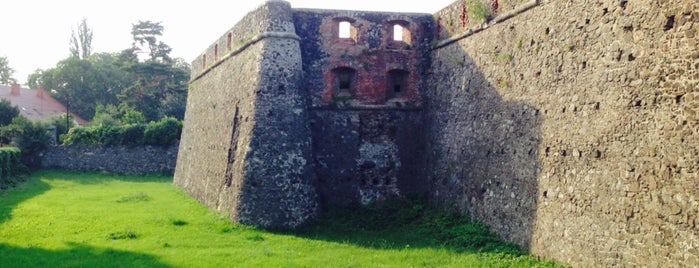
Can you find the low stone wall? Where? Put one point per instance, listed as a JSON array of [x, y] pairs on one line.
[[114, 159]]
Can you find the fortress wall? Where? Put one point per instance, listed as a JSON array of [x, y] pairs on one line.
[[245, 142], [572, 129], [366, 131]]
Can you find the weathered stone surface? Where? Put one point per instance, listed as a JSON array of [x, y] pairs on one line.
[[569, 127], [246, 144], [367, 137], [114, 159], [571, 130]]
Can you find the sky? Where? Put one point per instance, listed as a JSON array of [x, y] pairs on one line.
[[34, 34]]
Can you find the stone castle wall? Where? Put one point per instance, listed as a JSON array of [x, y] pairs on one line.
[[569, 127], [245, 142], [572, 129], [366, 130]]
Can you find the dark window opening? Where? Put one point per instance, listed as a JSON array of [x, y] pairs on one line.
[[229, 43], [397, 84], [216, 52], [203, 60], [343, 81]]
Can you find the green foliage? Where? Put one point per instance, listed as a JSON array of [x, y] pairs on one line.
[[7, 112], [6, 72], [133, 117], [155, 87], [30, 137], [164, 132], [62, 124], [10, 166], [81, 45], [81, 135], [132, 135], [477, 10]]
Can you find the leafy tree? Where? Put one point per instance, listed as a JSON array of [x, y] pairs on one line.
[[145, 40], [132, 117], [30, 137], [155, 87], [6, 72], [7, 112], [159, 85], [81, 45]]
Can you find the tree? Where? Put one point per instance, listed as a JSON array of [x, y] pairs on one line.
[[145, 40], [81, 45], [6, 72], [30, 137], [159, 85], [7, 112]]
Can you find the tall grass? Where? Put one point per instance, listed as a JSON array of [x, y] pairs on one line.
[[61, 219]]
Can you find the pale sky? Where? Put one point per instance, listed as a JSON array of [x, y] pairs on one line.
[[35, 33]]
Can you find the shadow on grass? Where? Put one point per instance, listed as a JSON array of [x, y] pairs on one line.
[[77, 256], [10, 198], [404, 223]]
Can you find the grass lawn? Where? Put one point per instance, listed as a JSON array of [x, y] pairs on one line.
[[63, 219]]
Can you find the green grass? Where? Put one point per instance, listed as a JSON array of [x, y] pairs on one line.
[[61, 219]]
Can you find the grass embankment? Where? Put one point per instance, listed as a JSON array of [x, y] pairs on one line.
[[60, 219]]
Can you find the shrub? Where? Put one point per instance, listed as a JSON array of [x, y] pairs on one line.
[[164, 132], [30, 137], [109, 134], [81, 135], [133, 117], [7, 112], [10, 166], [132, 135]]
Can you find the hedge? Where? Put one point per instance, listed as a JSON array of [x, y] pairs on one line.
[[162, 133], [10, 166]]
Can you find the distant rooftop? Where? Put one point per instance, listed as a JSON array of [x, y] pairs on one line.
[[35, 105]]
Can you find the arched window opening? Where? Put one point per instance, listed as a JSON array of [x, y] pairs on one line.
[[397, 32], [343, 81], [397, 84], [229, 43], [398, 35], [203, 61], [344, 30]]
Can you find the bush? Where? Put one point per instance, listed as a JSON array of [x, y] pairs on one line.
[[109, 134], [30, 137], [164, 132], [11, 167], [7, 112], [81, 135], [132, 135]]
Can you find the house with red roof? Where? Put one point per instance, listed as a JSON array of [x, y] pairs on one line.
[[36, 104]]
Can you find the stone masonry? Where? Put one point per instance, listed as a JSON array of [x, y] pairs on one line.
[[569, 127]]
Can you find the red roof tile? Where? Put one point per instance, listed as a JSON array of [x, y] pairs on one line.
[[36, 104]]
